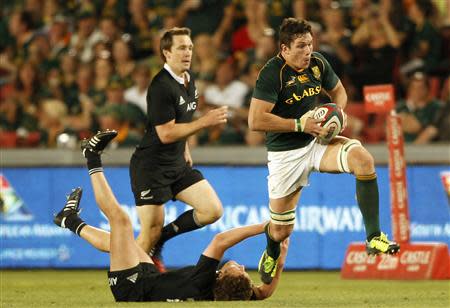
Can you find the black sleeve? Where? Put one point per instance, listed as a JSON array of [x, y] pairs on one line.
[[206, 264], [160, 104]]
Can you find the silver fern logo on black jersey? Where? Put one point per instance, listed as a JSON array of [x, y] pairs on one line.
[[306, 93]]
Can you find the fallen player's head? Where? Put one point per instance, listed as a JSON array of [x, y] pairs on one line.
[[233, 283]]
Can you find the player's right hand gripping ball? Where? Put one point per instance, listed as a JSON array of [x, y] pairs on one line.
[[333, 117]]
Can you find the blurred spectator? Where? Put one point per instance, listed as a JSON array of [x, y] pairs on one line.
[[376, 47], [204, 59], [34, 8], [139, 28], [334, 40], [155, 61], [137, 94], [79, 100], [417, 110], [27, 88], [50, 9], [20, 28], [247, 35], [123, 59], [103, 70], [227, 91], [439, 128], [358, 13], [112, 117], [336, 31], [13, 118], [201, 16], [86, 36], [52, 115], [266, 47], [68, 66], [424, 43], [109, 29], [115, 10], [131, 112], [59, 37]]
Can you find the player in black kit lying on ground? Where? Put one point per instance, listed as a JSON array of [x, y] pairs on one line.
[[132, 275]]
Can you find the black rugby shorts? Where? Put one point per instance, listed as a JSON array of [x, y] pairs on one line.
[[127, 285], [147, 188]]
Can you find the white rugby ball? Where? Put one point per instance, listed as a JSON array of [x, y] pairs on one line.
[[333, 118]]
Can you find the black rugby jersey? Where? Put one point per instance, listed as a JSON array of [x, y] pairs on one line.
[[167, 99], [188, 283]]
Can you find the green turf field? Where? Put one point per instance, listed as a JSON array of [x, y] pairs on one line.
[[297, 289]]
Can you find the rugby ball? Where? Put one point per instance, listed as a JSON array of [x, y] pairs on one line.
[[333, 118]]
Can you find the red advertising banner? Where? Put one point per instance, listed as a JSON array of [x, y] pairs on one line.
[[414, 261], [379, 98], [397, 179]]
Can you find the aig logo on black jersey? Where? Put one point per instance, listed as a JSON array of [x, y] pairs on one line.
[[190, 106]]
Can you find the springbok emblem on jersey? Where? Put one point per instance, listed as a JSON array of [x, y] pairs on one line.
[[316, 72]]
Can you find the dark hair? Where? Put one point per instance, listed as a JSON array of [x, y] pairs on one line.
[[426, 7], [233, 288], [26, 18], [167, 39], [292, 28]]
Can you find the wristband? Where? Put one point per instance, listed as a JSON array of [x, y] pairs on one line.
[[296, 125]]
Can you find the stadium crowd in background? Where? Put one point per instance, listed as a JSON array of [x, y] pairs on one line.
[[70, 68]]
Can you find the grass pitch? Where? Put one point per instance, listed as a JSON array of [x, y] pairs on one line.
[[89, 288]]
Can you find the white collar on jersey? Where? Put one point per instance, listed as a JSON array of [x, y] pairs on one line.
[[177, 78]]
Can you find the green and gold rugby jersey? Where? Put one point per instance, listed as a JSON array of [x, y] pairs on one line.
[[293, 93]]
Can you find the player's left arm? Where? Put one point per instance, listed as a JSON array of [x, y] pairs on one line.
[[224, 240], [264, 291], [338, 95]]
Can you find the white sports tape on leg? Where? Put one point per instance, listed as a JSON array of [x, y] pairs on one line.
[[342, 157], [283, 218]]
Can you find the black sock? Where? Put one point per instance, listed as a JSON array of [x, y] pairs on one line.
[[367, 196], [273, 247], [184, 223], [74, 223], [94, 162]]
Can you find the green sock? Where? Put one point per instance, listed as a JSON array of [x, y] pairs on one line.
[[367, 195], [273, 247]]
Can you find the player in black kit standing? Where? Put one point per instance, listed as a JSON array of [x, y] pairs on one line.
[[161, 166]]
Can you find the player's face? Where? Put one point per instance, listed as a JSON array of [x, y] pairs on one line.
[[180, 55], [298, 54]]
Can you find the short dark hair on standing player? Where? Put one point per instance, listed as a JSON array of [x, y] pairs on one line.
[[167, 38], [291, 29]]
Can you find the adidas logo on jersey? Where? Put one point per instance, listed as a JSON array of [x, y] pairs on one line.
[[182, 101], [133, 277]]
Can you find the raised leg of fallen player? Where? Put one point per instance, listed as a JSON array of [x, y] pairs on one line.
[[342, 155], [124, 252]]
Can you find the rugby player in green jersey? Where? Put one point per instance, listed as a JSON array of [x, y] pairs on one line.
[[283, 99]]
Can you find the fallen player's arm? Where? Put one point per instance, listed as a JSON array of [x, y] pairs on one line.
[[224, 240], [264, 291]]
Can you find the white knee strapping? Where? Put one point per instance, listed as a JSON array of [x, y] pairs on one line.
[[342, 157], [283, 218]]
